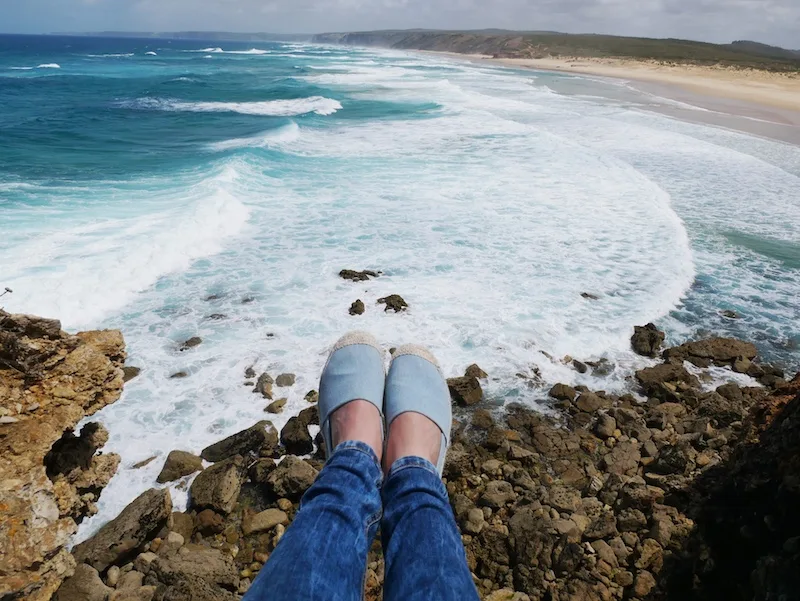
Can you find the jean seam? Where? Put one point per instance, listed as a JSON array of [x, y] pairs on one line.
[[399, 468]]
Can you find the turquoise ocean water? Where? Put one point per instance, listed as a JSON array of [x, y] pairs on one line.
[[149, 185]]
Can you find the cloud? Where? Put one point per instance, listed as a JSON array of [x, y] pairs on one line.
[[771, 21]]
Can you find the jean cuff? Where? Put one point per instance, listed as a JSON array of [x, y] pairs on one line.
[[405, 463], [356, 446]]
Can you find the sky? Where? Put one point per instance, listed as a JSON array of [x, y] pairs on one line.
[[769, 21]]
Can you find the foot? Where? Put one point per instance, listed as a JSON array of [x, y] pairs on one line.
[[360, 421], [412, 435]]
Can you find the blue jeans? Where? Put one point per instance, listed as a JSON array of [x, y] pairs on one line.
[[323, 554]]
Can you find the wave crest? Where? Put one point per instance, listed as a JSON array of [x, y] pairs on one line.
[[268, 108]]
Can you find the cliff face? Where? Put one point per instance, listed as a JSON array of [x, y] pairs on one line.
[[49, 477]]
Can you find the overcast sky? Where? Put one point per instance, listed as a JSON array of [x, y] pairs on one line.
[[770, 21]]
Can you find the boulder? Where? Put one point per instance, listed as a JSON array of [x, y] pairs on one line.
[[357, 308], [277, 406], [473, 371], [118, 541], [497, 494], [264, 385], [589, 402], [312, 397], [84, 585], [465, 391], [197, 562], [291, 478], [208, 523], [260, 470], [296, 438], [358, 276], [191, 343], [647, 340], [263, 435], [178, 465], [285, 380], [717, 351], [129, 373], [309, 416], [393, 302], [183, 524], [264, 521], [605, 426], [562, 392], [218, 487], [653, 379]]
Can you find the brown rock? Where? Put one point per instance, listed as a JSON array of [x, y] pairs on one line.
[[590, 402], [647, 340], [84, 585], [264, 385], [497, 494], [117, 541], [277, 406], [208, 522], [562, 392], [263, 435], [482, 419], [285, 380], [465, 391], [178, 465], [393, 302], [357, 308], [183, 524], [218, 487], [291, 478], [643, 584], [129, 373], [473, 371], [653, 379], [564, 498], [358, 276], [191, 343], [719, 351], [296, 437], [264, 521], [197, 562]]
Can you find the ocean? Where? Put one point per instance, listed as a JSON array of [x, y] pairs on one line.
[[174, 189]]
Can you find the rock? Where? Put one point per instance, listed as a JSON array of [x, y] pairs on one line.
[[291, 478], [312, 397], [264, 521], [643, 584], [264, 385], [145, 463], [590, 402], [605, 426], [393, 302], [218, 487], [732, 392], [482, 419], [623, 459], [208, 523], [474, 522], [473, 371], [296, 437], [589, 296], [653, 379], [260, 470], [309, 416], [285, 380], [604, 525], [217, 317], [580, 367], [564, 498], [250, 373], [647, 340], [191, 343], [497, 494], [178, 465], [277, 406], [183, 524], [171, 544], [562, 392], [179, 375], [671, 460], [729, 314], [84, 585], [117, 541], [129, 373], [717, 351], [357, 308], [263, 435], [358, 276], [196, 562], [506, 594], [112, 576], [465, 391]]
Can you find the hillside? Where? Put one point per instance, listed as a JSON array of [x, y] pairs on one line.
[[741, 54]]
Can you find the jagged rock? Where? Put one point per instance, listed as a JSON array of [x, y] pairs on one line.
[[183, 524], [84, 585], [264, 385], [191, 343], [654, 379], [189, 589], [129, 373], [393, 302], [65, 378], [482, 419], [264, 521], [218, 487], [178, 465], [562, 392], [605, 426], [357, 308], [117, 541], [196, 562], [643, 584], [277, 406], [564, 498], [358, 276], [312, 396], [260, 470], [285, 380], [497, 494], [717, 351], [309, 416], [589, 402], [647, 340], [291, 478], [144, 463], [465, 391], [208, 522], [262, 436], [473, 371], [296, 437]]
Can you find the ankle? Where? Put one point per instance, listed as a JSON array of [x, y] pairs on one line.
[[358, 421], [412, 435]]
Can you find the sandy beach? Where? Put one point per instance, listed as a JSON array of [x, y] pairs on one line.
[[769, 102]]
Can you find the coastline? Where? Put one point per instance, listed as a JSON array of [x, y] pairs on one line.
[[755, 102]]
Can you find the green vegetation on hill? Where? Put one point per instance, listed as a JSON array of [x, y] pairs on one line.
[[740, 54]]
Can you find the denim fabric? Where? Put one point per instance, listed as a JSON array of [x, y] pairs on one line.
[[323, 555]]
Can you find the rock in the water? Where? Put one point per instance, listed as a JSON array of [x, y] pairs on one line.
[[716, 351], [264, 521], [263, 435], [729, 314], [191, 343], [357, 308], [473, 371], [358, 276], [562, 392], [312, 396], [590, 296], [653, 379], [178, 465], [264, 385], [647, 340], [296, 437], [117, 541], [393, 302], [291, 478], [179, 375], [277, 406], [285, 380], [465, 391], [129, 373], [84, 585], [218, 487]]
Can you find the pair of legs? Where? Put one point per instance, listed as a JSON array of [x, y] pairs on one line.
[[368, 483]]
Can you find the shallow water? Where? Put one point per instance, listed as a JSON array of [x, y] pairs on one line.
[[135, 186]]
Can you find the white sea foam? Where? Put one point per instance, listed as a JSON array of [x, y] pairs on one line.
[[121, 55], [49, 66], [151, 53], [22, 68], [272, 108], [276, 137]]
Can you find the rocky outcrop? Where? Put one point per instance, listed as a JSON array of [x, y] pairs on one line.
[[49, 381], [647, 340], [358, 276], [178, 465], [357, 308], [262, 436], [393, 302]]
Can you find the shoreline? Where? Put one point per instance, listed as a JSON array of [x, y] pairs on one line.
[[754, 102]]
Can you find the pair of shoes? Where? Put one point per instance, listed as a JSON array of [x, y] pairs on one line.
[[355, 370]]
